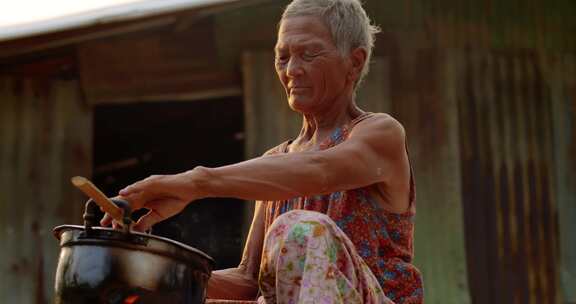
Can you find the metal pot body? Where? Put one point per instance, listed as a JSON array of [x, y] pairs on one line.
[[107, 266]]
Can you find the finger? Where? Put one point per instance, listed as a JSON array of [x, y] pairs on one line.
[[137, 186], [135, 200], [147, 221], [116, 225], [106, 220], [127, 191], [160, 210]]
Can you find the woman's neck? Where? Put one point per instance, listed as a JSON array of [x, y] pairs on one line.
[[316, 127]]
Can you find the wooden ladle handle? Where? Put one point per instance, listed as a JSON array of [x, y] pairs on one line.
[[95, 194]]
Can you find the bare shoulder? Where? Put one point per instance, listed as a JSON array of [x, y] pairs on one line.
[[276, 150], [381, 128]]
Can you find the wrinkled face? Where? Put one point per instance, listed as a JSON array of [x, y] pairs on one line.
[[309, 65]]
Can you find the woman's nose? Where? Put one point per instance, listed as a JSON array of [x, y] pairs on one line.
[[294, 68]]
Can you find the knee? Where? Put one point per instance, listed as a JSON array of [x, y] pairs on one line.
[[301, 217], [303, 214], [301, 221]]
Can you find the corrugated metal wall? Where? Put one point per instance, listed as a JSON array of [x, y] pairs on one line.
[[421, 85], [562, 78], [508, 178], [45, 138]]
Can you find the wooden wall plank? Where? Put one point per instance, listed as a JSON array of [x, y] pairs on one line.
[[268, 117], [7, 172], [248, 28], [153, 65], [374, 92], [46, 139]]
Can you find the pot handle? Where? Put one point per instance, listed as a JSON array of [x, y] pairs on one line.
[[91, 215]]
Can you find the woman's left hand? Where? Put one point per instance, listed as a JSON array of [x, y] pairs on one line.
[[163, 195]]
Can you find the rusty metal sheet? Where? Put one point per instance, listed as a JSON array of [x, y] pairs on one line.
[[510, 211]]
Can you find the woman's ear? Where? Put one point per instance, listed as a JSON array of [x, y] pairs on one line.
[[358, 58]]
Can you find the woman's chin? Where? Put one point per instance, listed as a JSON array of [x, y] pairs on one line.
[[301, 105]]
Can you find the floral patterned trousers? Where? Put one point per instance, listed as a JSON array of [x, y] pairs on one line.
[[308, 259]]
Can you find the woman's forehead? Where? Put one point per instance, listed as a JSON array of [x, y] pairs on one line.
[[303, 43], [307, 30]]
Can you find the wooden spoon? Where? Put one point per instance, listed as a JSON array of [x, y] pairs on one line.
[[95, 194]]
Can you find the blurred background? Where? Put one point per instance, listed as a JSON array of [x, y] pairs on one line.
[[486, 90]]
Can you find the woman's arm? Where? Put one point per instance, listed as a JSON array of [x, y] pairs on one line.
[[241, 283], [374, 150], [374, 153]]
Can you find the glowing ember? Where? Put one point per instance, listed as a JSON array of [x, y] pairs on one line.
[[131, 299]]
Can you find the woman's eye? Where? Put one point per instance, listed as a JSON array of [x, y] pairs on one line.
[[309, 55], [281, 58]]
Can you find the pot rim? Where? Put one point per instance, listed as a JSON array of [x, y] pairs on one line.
[[104, 236]]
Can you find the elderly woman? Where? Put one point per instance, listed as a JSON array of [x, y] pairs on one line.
[[334, 206]]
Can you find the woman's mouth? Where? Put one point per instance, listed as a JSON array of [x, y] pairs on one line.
[[298, 90]]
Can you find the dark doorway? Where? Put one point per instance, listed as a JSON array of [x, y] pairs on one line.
[[135, 141]]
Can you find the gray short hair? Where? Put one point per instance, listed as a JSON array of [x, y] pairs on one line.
[[347, 21]]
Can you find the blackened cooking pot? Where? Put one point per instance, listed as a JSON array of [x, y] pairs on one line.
[[108, 266]]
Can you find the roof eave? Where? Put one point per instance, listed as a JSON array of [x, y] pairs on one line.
[[115, 14]]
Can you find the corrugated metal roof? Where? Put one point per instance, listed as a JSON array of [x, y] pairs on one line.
[[126, 12]]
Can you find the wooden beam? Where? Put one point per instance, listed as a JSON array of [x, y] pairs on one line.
[[184, 96]]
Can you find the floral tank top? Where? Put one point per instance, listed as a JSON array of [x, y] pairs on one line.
[[382, 238]]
